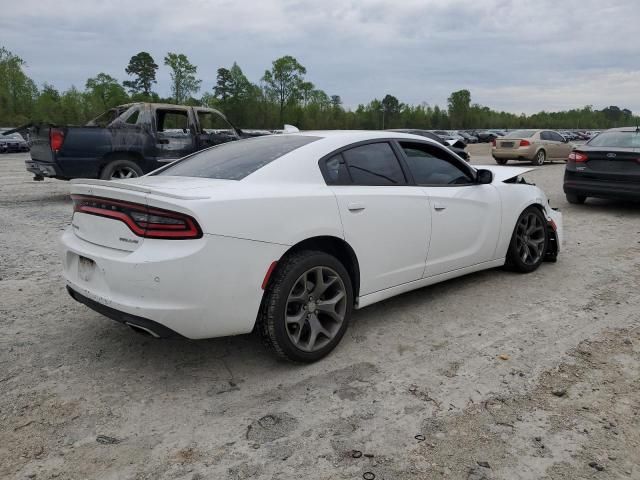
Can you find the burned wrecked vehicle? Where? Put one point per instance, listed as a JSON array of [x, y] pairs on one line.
[[126, 141]]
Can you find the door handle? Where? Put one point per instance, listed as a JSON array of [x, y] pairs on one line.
[[356, 207], [163, 141], [439, 207]]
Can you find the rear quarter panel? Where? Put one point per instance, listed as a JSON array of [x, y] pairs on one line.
[[284, 214]]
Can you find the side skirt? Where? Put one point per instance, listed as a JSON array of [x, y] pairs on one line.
[[378, 296]]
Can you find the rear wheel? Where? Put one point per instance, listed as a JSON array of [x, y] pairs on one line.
[[575, 199], [540, 158], [307, 306], [501, 161], [529, 241], [120, 169]]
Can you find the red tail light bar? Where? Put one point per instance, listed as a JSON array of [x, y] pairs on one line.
[[578, 157], [143, 221], [525, 143], [56, 139]]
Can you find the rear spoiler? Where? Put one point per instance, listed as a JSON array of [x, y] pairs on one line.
[[124, 185]]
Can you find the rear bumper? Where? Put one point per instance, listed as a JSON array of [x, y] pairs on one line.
[[155, 329], [589, 187], [209, 287], [524, 153], [43, 169]]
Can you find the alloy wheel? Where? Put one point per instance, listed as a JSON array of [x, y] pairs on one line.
[[123, 172], [316, 308], [530, 238]]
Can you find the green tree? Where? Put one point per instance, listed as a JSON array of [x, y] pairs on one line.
[[459, 107], [183, 76], [143, 68], [390, 110], [47, 107], [284, 81], [18, 92], [103, 92]]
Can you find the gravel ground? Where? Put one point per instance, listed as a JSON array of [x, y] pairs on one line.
[[499, 375]]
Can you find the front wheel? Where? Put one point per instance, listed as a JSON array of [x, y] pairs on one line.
[[529, 241], [307, 306]]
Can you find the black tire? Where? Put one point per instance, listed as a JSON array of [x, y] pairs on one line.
[[540, 158], [575, 199], [271, 323], [514, 258], [112, 168], [501, 161]]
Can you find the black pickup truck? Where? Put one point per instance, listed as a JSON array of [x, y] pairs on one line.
[[126, 141]]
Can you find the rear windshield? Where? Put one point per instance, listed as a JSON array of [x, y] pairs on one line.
[[235, 160], [520, 134], [616, 139]]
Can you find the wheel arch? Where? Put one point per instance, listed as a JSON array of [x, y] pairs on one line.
[[107, 158], [337, 247]]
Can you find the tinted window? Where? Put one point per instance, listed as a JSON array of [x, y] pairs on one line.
[[337, 173], [236, 160], [616, 139], [556, 137], [520, 134], [374, 164], [431, 166]]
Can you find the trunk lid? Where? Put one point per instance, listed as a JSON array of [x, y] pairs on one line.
[[176, 194], [508, 143], [106, 232], [612, 163]]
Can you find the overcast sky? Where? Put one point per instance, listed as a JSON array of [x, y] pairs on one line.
[[516, 55]]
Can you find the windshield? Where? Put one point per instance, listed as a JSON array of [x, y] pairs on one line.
[[520, 134], [629, 139], [235, 160], [12, 136]]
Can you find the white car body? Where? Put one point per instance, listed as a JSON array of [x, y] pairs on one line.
[[403, 237]]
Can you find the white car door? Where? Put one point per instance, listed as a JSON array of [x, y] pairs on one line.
[[386, 221], [465, 216]]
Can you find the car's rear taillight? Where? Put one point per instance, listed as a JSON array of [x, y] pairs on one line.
[[493, 142], [578, 157], [525, 143], [148, 222], [56, 139]]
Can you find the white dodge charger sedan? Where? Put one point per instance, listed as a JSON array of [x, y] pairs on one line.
[[289, 233]]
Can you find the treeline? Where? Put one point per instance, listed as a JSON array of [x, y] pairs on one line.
[[282, 95]]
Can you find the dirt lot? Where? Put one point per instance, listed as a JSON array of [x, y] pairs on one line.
[[499, 375]]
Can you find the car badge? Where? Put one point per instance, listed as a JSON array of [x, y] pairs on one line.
[[611, 155]]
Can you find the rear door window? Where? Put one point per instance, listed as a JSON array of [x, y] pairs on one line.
[[235, 160], [373, 164]]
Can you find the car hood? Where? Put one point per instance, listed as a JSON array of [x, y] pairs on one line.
[[500, 173]]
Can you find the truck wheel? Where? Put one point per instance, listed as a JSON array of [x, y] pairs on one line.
[[120, 169]]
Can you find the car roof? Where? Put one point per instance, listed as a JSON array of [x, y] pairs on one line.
[[622, 129]]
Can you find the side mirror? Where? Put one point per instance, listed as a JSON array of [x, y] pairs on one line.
[[484, 177]]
